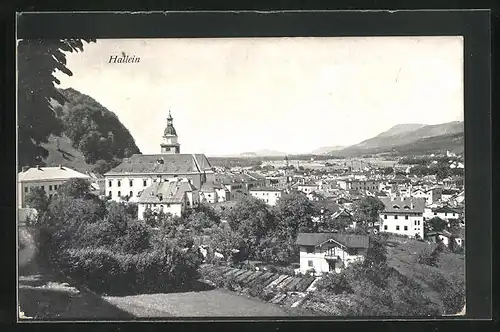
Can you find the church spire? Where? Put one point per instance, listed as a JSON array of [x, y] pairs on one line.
[[170, 144]]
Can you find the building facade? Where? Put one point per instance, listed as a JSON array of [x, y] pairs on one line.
[[136, 173], [269, 195], [330, 252], [403, 216], [173, 196], [47, 178]]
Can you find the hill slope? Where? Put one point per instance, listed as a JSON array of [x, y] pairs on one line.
[[409, 137], [93, 138]]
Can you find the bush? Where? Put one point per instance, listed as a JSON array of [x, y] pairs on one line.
[[451, 290], [96, 235], [136, 238], [335, 283], [106, 271]]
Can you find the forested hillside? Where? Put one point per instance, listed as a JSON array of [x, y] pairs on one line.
[[93, 130]]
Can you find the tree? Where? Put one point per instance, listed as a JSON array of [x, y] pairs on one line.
[[377, 252], [38, 200], [367, 210], [118, 216], [251, 218], [436, 224], [37, 61], [226, 241], [295, 214], [75, 188], [136, 239]]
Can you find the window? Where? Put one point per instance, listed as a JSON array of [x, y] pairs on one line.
[[395, 217], [445, 214], [50, 187], [119, 193], [419, 222], [50, 195], [309, 249], [406, 228], [385, 227], [310, 263], [130, 194], [25, 189], [109, 194], [131, 183], [168, 205], [435, 213], [55, 187], [144, 183], [385, 216], [415, 222], [397, 228], [42, 187], [109, 183], [406, 217], [119, 183]]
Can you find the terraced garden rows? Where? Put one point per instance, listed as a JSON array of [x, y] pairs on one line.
[[267, 280]]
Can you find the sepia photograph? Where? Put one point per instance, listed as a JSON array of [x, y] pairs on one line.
[[240, 177]]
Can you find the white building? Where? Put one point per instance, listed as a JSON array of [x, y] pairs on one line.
[[139, 171], [371, 185], [47, 178], [269, 195], [307, 188], [214, 193], [330, 252], [173, 196], [445, 213], [403, 216]]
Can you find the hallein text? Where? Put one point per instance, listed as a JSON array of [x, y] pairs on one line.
[[124, 59]]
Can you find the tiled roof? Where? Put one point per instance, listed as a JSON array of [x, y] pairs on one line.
[[402, 205], [166, 192], [265, 189], [163, 164], [209, 186], [446, 209], [348, 240], [50, 173]]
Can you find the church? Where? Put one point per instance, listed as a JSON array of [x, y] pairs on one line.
[[129, 179]]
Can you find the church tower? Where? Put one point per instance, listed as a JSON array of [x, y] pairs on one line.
[[170, 143]]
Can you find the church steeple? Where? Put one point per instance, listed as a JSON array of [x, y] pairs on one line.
[[170, 143]]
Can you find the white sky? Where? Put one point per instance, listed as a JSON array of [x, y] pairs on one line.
[[229, 96]]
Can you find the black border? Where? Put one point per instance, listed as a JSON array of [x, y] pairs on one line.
[[473, 25]]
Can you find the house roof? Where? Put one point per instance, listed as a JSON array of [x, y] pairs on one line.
[[166, 192], [403, 205], [50, 173], [163, 164], [210, 186], [348, 240], [446, 209], [266, 189]]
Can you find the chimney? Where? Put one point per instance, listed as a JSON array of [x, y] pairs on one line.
[[38, 167], [60, 167], [25, 168]]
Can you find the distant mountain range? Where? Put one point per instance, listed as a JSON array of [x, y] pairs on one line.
[[327, 149], [263, 153], [410, 138]]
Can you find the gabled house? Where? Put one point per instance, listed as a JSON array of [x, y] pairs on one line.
[[403, 216], [174, 197], [330, 252]]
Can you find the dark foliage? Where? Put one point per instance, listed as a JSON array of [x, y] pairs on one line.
[[38, 60]]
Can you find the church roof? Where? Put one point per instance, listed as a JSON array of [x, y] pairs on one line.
[[163, 164]]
